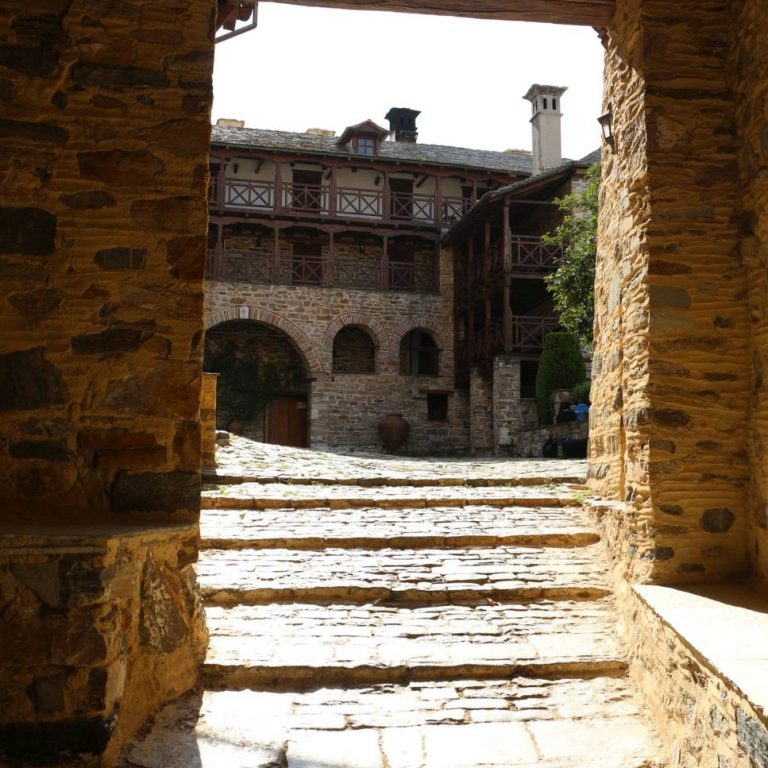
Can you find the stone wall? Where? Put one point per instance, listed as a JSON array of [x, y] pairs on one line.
[[208, 420], [103, 160], [104, 129], [668, 421], [751, 89], [104, 629], [531, 441], [480, 415], [507, 416], [346, 408]]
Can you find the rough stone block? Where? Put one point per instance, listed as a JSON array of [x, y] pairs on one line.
[[28, 381], [150, 492], [27, 231]]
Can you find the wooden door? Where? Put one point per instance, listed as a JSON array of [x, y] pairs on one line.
[[307, 190], [287, 422], [401, 198]]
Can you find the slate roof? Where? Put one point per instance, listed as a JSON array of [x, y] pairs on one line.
[[428, 154]]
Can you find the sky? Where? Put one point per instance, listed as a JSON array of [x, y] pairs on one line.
[[325, 68]]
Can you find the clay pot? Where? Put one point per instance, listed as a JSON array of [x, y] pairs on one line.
[[393, 431], [235, 427]]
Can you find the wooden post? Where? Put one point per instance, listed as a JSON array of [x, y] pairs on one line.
[[487, 330], [486, 249], [438, 201], [507, 239], [474, 191], [278, 186], [332, 195], [385, 197]]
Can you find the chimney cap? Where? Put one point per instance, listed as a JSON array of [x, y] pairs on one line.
[[228, 122], [544, 90]]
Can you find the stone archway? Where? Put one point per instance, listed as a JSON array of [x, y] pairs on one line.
[[264, 382]]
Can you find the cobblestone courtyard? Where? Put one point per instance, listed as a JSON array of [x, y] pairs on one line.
[[371, 611]]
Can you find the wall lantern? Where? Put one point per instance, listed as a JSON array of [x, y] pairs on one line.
[[361, 249], [606, 125], [235, 168], [377, 181]]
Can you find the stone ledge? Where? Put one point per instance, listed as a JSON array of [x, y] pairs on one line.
[[726, 627]]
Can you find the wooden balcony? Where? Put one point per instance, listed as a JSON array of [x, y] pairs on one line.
[[245, 196], [375, 273], [525, 333]]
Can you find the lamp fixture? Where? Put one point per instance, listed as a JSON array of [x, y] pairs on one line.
[[235, 167], [361, 249], [606, 125], [377, 181]]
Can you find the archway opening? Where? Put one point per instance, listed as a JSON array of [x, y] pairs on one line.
[[264, 384]]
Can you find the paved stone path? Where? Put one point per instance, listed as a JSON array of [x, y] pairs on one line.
[[433, 624]]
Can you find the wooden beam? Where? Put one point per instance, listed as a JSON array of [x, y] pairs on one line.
[[591, 13]]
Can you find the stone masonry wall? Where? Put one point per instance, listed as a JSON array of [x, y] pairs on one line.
[[345, 409], [752, 90], [668, 421], [507, 417], [104, 129], [104, 629], [480, 415]]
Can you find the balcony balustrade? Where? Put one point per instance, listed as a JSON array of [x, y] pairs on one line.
[[321, 270], [526, 333], [248, 196]]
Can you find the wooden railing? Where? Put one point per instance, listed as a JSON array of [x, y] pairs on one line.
[[261, 196], [359, 202], [530, 254], [526, 333], [313, 269]]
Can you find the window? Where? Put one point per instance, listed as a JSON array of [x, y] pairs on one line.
[[437, 407], [354, 351], [307, 263], [418, 354], [364, 145]]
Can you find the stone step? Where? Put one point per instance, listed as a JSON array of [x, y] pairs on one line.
[[374, 527], [403, 576], [521, 723], [393, 481], [280, 496], [295, 646]]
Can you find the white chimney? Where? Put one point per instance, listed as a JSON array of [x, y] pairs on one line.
[[547, 144]]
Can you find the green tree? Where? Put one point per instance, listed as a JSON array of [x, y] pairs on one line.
[[572, 284], [560, 367]]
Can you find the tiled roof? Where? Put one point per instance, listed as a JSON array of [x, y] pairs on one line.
[[592, 158], [433, 154]]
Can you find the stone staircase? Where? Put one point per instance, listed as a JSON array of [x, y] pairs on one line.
[[439, 625]]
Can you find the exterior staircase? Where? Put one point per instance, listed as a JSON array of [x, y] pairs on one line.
[[403, 626]]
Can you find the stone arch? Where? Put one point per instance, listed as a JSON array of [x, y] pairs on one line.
[[374, 327], [437, 332], [303, 343]]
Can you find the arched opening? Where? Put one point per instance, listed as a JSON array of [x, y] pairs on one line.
[[419, 354], [354, 351], [263, 386]]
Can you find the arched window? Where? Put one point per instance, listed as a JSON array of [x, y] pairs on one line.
[[354, 351], [418, 354]]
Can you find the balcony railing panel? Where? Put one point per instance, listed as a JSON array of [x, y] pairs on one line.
[[530, 254], [412, 207], [238, 267], [453, 209], [306, 198], [358, 202], [249, 195], [527, 332]]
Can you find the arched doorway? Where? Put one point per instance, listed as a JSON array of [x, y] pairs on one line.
[[264, 384]]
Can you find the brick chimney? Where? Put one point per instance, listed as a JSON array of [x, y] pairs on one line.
[[402, 124], [547, 144]]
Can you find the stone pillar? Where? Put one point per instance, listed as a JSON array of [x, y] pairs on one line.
[[751, 86], [480, 415], [104, 130], [670, 392], [208, 419], [506, 403]]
